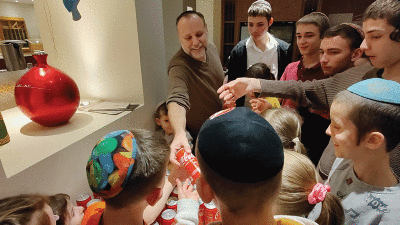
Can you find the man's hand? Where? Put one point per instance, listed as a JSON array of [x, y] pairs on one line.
[[180, 141], [259, 105], [238, 88], [185, 190]]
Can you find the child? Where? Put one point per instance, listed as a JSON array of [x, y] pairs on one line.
[[300, 192], [381, 45], [127, 169], [309, 31], [288, 126], [162, 121], [26, 209], [68, 213], [365, 128], [261, 46], [241, 159], [261, 71]]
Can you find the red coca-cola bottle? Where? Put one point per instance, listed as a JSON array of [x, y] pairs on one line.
[[189, 162]]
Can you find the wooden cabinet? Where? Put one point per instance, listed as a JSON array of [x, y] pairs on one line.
[[229, 37], [12, 28]]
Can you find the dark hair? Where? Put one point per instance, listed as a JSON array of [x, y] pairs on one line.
[[187, 14], [319, 19], [59, 205], [18, 210], [161, 110], [148, 171], [260, 71], [369, 116], [346, 31], [237, 195], [260, 8], [388, 10]]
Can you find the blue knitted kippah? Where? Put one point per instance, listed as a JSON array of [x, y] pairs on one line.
[[377, 89], [240, 146]]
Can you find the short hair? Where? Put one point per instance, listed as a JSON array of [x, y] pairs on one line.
[[238, 195], [299, 176], [287, 124], [161, 110], [319, 19], [59, 205], [388, 10], [148, 171], [370, 115], [19, 210], [346, 31], [188, 14], [260, 71], [260, 8]]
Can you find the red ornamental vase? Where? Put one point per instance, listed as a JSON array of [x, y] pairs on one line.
[[46, 95]]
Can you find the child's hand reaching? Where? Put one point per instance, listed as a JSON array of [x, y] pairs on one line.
[[178, 173], [185, 190], [259, 105]]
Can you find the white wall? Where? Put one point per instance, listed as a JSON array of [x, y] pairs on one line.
[[217, 26], [65, 171], [211, 9], [26, 11], [206, 7], [100, 51], [171, 10]]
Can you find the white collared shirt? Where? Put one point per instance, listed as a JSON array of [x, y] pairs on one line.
[[269, 56]]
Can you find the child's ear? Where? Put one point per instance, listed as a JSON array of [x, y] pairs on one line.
[[375, 140], [203, 188], [356, 54], [158, 121], [270, 22], [154, 196]]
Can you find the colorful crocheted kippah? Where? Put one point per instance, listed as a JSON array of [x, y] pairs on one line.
[[111, 162], [377, 89]]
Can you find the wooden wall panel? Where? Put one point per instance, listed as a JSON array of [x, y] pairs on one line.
[[282, 10], [345, 6]]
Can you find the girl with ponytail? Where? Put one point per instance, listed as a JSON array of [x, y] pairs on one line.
[[300, 192], [287, 124]]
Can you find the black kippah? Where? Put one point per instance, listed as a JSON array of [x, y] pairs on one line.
[[241, 146]]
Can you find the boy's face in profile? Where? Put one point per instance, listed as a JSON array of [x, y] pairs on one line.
[[342, 131], [308, 39], [377, 45], [163, 121]]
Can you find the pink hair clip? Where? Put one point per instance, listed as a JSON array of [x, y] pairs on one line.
[[318, 193]]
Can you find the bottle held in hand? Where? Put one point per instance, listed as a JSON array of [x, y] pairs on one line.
[[189, 162]]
